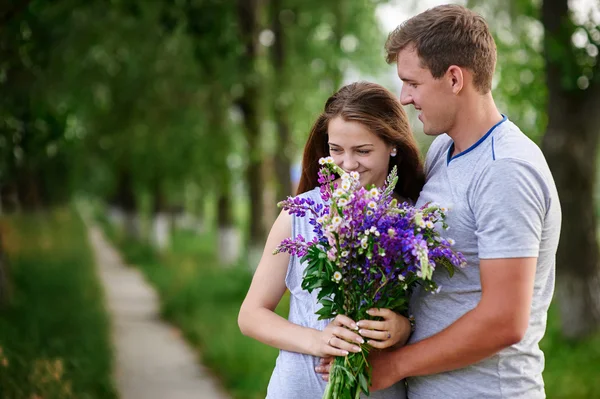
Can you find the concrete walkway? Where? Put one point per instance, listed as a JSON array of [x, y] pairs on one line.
[[152, 361]]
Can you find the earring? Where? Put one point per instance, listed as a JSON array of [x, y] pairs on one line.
[[394, 153]]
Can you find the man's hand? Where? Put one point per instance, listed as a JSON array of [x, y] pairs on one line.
[[382, 367]]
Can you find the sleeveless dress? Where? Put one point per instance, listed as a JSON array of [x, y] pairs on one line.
[[294, 376]]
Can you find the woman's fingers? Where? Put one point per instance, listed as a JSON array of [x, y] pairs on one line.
[[372, 325], [345, 321], [336, 342], [323, 367], [375, 334], [348, 335]]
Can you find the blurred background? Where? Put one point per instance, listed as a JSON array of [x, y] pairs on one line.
[[177, 125]]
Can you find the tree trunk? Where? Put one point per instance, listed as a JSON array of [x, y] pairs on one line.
[[28, 189], [160, 236], [124, 205], [229, 238], [571, 145], [281, 106], [4, 277], [249, 105]]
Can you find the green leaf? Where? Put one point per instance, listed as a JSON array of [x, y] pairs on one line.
[[364, 384]]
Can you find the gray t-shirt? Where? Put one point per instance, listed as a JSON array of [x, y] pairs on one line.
[[502, 203]]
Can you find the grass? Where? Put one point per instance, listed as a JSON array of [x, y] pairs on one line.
[[54, 335], [572, 367], [203, 300]]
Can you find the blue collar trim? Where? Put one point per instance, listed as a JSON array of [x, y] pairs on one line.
[[471, 148]]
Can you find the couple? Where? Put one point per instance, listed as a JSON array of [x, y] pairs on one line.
[[478, 337]]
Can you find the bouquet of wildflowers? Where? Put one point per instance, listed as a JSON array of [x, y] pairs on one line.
[[368, 251]]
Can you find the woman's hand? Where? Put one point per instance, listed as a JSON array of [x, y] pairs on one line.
[[393, 329], [338, 339]]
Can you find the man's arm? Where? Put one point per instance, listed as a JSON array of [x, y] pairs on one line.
[[498, 321]]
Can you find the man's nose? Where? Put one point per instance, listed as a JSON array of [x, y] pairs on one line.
[[405, 96]]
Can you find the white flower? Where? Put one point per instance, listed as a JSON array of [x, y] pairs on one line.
[[338, 193], [391, 232], [374, 192], [451, 241], [370, 213], [363, 243], [355, 175], [326, 160], [401, 277], [429, 224], [345, 253], [419, 274], [337, 276], [345, 185], [336, 221], [372, 204], [342, 202], [419, 220], [320, 220]]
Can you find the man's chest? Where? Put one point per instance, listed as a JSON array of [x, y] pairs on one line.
[[449, 187]]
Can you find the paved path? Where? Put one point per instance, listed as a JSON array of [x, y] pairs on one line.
[[152, 361]]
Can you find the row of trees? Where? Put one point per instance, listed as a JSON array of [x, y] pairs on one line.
[[131, 100], [205, 104]]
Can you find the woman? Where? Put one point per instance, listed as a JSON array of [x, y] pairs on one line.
[[365, 129]]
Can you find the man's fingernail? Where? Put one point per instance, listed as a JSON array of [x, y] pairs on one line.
[[357, 349], [360, 340], [345, 353]]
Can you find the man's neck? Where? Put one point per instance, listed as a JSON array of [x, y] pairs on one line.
[[475, 119]]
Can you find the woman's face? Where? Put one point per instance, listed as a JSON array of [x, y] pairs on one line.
[[353, 147]]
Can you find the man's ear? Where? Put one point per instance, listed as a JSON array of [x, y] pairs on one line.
[[457, 78]]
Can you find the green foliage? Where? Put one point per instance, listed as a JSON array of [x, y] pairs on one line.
[[571, 370], [54, 336]]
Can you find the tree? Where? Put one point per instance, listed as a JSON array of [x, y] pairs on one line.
[[571, 147]]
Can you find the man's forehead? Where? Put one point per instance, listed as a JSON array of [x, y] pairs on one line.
[[409, 64]]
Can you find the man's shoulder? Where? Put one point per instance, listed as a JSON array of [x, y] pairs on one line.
[[512, 143]]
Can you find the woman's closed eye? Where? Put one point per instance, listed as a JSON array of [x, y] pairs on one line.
[[335, 150], [363, 152]]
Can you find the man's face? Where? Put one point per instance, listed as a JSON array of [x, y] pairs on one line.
[[433, 98]]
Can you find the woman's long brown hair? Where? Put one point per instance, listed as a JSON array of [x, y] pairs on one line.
[[379, 111]]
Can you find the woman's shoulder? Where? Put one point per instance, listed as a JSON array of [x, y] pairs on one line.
[[314, 194]]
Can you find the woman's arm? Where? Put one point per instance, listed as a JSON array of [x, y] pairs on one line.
[[257, 317]]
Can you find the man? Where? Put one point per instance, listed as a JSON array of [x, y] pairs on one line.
[[478, 337]]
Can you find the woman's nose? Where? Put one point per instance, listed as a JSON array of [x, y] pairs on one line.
[[350, 163]]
